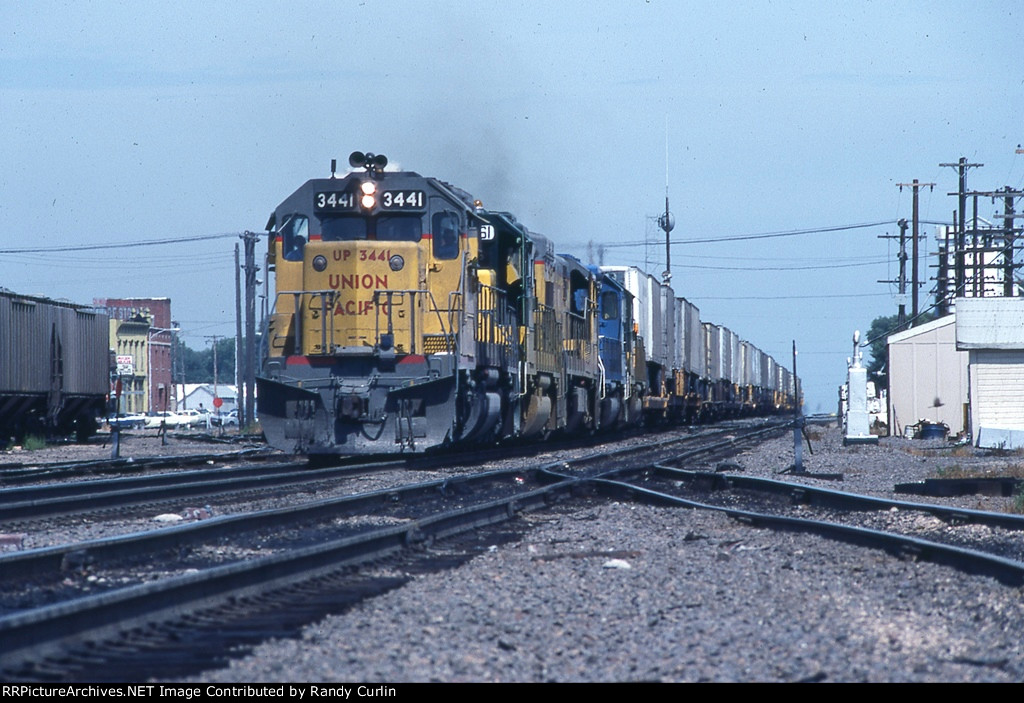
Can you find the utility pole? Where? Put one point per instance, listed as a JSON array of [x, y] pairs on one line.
[[902, 280], [667, 222], [1009, 241], [960, 275], [243, 420], [249, 242], [1007, 249], [214, 337], [915, 278], [901, 320]]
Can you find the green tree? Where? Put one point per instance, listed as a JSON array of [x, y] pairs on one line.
[[198, 365]]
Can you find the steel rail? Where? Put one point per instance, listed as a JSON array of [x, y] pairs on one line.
[[33, 502], [827, 497], [40, 632], [25, 472], [50, 560], [35, 562], [1008, 571], [51, 500]]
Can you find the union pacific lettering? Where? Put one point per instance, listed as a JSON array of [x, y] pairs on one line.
[[357, 307], [357, 281]]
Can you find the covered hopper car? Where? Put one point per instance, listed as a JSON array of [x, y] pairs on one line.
[[54, 367]]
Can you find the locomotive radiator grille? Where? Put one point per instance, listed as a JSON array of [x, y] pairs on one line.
[[438, 344]]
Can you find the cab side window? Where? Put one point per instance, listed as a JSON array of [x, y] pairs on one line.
[[294, 234], [446, 235], [609, 305]]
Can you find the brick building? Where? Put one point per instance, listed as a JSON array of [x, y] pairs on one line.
[[141, 337]]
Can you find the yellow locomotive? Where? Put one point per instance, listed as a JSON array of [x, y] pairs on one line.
[[404, 317]]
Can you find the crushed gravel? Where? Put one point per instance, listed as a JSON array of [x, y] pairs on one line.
[[610, 591], [703, 599]]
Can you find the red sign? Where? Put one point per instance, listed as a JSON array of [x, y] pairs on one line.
[[217, 402]]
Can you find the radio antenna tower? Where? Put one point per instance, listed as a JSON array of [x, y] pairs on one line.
[[667, 222]]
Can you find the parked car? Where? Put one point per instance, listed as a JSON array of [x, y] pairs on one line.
[[127, 422], [165, 417], [228, 419], [192, 418]]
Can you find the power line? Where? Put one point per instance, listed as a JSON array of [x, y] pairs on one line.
[[779, 268], [789, 297], [122, 245], [763, 235]]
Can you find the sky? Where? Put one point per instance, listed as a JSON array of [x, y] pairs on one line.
[[125, 123]]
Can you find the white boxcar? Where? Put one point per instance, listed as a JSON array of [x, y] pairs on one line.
[[735, 359], [771, 378], [713, 349], [649, 302], [689, 352], [725, 354], [668, 331], [752, 358]]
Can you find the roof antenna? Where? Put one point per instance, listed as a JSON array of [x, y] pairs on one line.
[[667, 221]]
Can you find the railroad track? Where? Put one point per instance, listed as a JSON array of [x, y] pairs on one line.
[[950, 536], [23, 507], [20, 473], [252, 597]]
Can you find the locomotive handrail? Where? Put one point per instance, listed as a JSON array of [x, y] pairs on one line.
[[327, 298], [389, 292], [494, 328], [324, 306]]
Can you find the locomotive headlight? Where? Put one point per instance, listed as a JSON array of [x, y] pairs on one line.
[[369, 189], [319, 262], [396, 262]]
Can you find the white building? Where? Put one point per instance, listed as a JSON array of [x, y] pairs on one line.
[[991, 330], [195, 396], [927, 377]]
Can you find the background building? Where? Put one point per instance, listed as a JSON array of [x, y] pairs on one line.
[[193, 395], [141, 336], [991, 330], [927, 377]]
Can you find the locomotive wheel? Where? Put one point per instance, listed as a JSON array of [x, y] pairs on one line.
[[485, 409]]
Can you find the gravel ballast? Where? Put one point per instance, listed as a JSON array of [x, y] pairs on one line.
[[620, 592], [613, 591]]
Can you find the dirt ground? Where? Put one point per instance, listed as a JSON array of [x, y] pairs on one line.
[[134, 443]]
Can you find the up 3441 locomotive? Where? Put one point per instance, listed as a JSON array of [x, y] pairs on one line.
[[406, 316]]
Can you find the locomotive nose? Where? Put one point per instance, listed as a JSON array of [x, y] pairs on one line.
[[362, 295]]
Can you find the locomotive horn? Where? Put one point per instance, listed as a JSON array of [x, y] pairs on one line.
[[357, 159]]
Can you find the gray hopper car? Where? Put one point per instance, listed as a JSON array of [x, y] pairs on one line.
[[54, 367]]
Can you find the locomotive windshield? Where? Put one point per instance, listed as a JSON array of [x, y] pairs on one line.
[[343, 229], [399, 228], [386, 228]]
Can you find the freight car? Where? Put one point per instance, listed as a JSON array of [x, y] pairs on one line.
[[406, 316], [54, 367]]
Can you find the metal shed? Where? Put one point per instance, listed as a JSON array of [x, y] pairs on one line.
[[927, 377]]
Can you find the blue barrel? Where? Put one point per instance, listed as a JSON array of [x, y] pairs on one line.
[[932, 430]]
